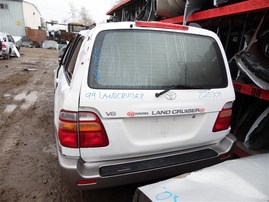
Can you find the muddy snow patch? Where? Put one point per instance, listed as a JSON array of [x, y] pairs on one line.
[[7, 95], [10, 108], [30, 99], [20, 96]]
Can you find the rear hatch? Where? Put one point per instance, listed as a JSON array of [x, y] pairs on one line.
[[155, 91]]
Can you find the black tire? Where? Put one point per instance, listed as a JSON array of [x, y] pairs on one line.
[[9, 53], [7, 56]]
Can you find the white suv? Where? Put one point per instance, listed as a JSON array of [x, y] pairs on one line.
[[8, 45], [141, 100]]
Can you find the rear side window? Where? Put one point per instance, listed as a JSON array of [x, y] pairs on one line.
[[142, 59], [10, 39], [70, 56]]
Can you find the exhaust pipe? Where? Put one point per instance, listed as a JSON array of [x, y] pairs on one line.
[[170, 8]]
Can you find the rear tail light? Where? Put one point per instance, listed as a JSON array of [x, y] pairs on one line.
[[83, 129], [224, 118], [68, 133], [92, 131], [3, 45]]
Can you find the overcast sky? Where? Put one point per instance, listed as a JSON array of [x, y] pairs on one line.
[[59, 9]]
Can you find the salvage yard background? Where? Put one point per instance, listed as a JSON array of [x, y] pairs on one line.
[[29, 169]]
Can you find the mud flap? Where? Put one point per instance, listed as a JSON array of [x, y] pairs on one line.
[[16, 51]]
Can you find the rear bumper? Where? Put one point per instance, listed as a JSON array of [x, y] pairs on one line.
[[115, 173]]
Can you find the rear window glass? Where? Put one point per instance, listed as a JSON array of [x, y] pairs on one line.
[[142, 59]]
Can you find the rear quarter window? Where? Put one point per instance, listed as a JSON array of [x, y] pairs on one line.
[[147, 59], [70, 56]]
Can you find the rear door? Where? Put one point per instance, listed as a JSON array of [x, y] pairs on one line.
[[154, 91]]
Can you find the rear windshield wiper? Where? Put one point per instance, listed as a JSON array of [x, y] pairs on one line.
[[181, 86]]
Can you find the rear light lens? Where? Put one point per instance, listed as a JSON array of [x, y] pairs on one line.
[[87, 124], [67, 132], [162, 25], [224, 118], [92, 131], [86, 182], [3, 45]]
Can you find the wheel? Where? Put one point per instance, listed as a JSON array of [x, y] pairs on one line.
[[7, 56]]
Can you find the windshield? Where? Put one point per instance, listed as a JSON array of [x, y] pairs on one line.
[[142, 59]]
